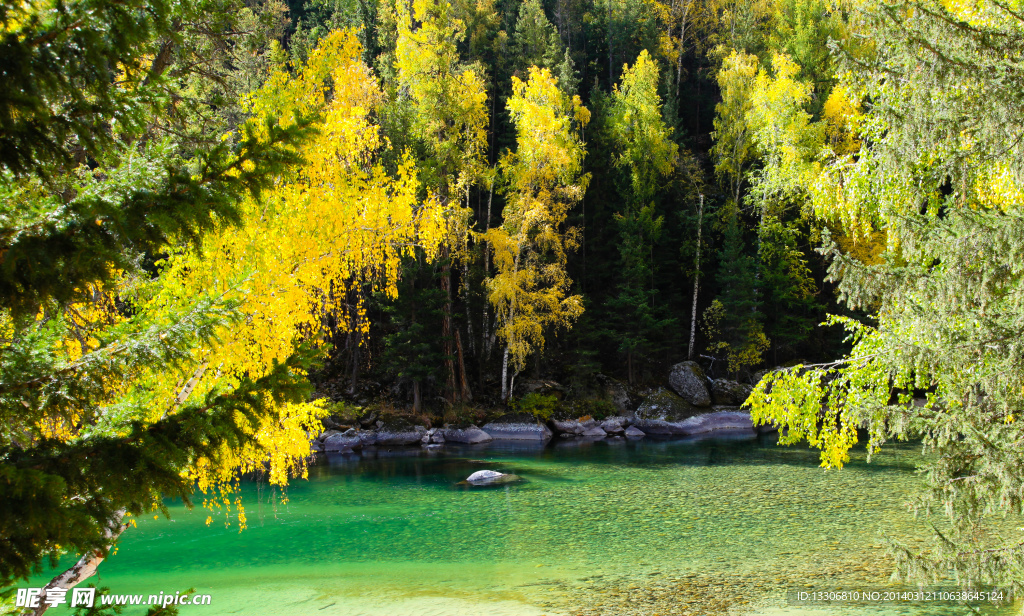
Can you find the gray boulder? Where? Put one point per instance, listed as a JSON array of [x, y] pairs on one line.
[[567, 427], [398, 432], [614, 425], [469, 434], [615, 392], [666, 414], [633, 432], [518, 427], [368, 437], [594, 432], [688, 380], [490, 478], [726, 392], [341, 443]]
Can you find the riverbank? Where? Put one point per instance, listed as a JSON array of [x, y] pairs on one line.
[[690, 405]]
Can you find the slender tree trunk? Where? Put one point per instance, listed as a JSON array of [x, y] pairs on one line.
[[86, 565], [682, 40], [417, 398], [486, 325], [696, 279], [504, 375], [355, 364], [447, 332], [464, 393]]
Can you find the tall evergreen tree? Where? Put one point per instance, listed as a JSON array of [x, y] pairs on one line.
[[940, 174], [91, 194]]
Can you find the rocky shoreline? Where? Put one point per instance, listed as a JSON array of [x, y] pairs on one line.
[[692, 405]]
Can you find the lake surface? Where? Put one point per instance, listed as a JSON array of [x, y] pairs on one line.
[[610, 527]]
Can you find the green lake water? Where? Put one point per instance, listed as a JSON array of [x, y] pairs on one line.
[[611, 527]]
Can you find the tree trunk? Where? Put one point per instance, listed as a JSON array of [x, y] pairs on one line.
[[682, 40], [486, 325], [354, 378], [504, 375], [417, 398], [464, 393], [86, 565], [696, 279], [447, 333]]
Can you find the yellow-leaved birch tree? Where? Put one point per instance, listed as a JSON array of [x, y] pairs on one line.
[[543, 180], [338, 216]]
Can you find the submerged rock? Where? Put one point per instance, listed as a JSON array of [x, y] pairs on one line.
[[489, 478], [688, 380]]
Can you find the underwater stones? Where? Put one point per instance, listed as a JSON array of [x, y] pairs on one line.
[[490, 478], [688, 380], [634, 432], [724, 391], [469, 434], [518, 427]]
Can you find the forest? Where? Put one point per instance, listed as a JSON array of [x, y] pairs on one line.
[[224, 221]]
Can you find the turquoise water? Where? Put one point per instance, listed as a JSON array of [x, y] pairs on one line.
[[610, 527]]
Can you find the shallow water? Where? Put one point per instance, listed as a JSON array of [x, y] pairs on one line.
[[610, 527]]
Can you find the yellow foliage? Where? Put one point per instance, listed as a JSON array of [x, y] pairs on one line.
[[337, 217], [544, 180], [841, 111]]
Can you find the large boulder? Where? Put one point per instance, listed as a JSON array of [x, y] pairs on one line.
[[634, 432], [567, 427], [518, 427], [688, 380], [614, 425], [468, 434], [731, 393], [342, 443], [398, 432], [667, 414], [594, 432], [616, 393]]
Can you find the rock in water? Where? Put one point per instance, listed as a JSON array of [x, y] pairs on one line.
[[487, 478], [341, 443], [688, 380], [518, 427], [469, 434], [632, 432]]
